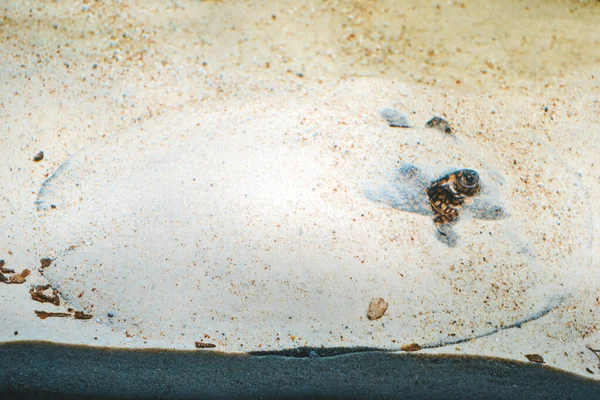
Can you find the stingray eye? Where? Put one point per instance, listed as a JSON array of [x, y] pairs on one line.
[[469, 179]]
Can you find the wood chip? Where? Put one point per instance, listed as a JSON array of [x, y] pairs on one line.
[[44, 314], [411, 347], [45, 262], [377, 308], [536, 358], [202, 345]]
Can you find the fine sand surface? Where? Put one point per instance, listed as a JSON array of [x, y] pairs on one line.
[[219, 172]]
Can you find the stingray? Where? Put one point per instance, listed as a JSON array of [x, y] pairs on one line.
[[255, 225]]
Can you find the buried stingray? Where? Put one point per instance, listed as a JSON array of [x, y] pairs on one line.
[[240, 241]]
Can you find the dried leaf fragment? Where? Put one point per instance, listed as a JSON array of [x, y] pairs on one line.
[[377, 308], [37, 294], [81, 315], [20, 278], [536, 358], [202, 345], [45, 314], [411, 347], [45, 262]]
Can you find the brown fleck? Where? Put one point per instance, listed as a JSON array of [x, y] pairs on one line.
[[45, 262], [411, 347], [202, 345], [536, 358], [7, 270], [39, 156], [20, 278], [81, 315], [44, 314], [377, 308], [37, 294]]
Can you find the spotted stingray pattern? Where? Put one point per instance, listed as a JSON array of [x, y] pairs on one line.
[[449, 193]]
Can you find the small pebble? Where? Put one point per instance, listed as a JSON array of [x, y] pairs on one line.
[[39, 156], [45, 262], [202, 345], [411, 347], [440, 124], [377, 308], [395, 119], [536, 358]]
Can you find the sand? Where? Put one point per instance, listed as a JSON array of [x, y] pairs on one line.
[[127, 94]]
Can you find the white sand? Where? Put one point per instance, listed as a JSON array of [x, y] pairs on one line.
[[253, 262]]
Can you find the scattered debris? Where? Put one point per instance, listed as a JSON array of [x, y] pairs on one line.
[[202, 345], [45, 314], [19, 278], [589, 370], [3, 278], [81, 315], [37, 294], [395, 119], [377, 308], [5, 270], [45, 262], [411, 347], [39, 156], [536, 358], [440, 124]]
